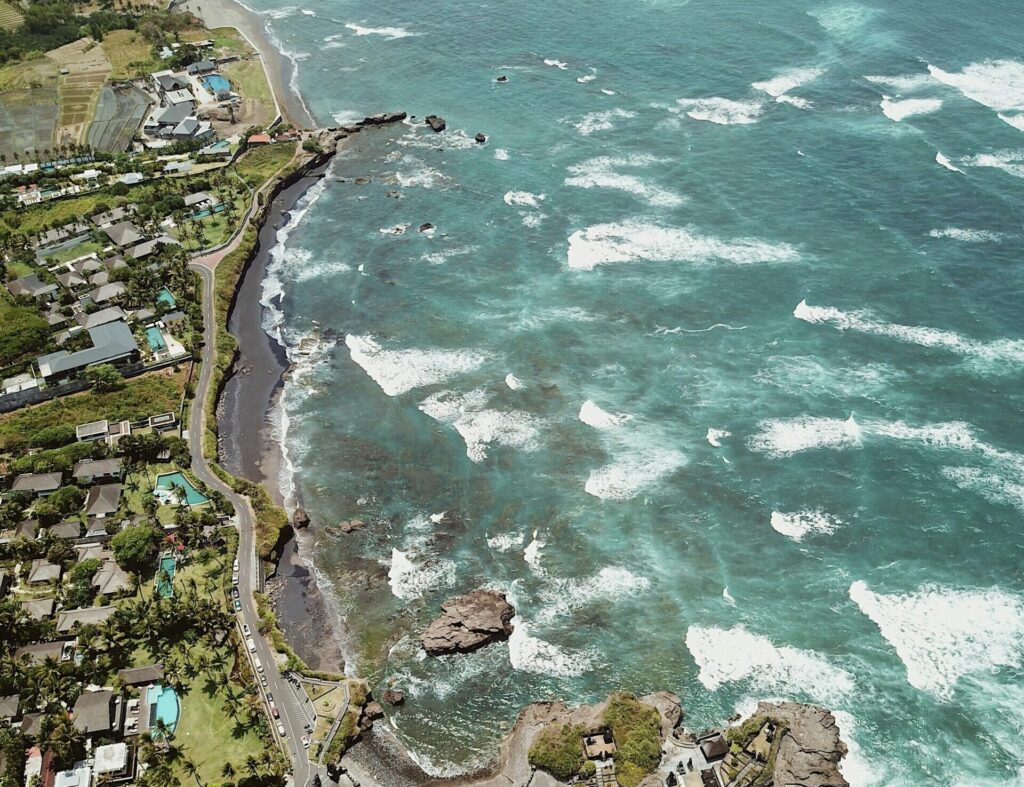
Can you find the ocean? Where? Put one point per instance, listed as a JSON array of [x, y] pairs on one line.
[[711, 360]]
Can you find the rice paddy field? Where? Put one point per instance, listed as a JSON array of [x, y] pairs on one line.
[[117, 117], [10, 17]]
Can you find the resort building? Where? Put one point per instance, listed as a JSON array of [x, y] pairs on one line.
[[39, 484], [43, 571], [112, 343], [69, 530], [98, 712], [38, 608], [124, 233], [86, 616], [33, 287], [99, 471], [102, 501], [111, 580], [102, 430], [113, 216]]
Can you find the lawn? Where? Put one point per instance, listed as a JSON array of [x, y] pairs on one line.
[[259, 164], [74, 252], [229, 41], [17, 268], [129, 54], [248, 78], [64, 211], [149, 394]]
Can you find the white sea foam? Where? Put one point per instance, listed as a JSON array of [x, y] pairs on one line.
[[513, 382], [441, 257], [997, 84], [1000, 350], [607, 92], [715, 437], [1017, 121], [942, 161], [281, 13], [727, 596], [779, 86], [556, 63], [723, 111], [501, 154], [594, 416], [798, 524], [533, 219], [530, 654], [588, 78], [506, 542], [532, 552], [1004, 488], [908, 83], [399, 371], [523, 198], [600, 173], [855, 766], [844, 21], [482, 427], [423, 177], [391, 33], [635, 240], [731, 655], [795, 101], [610, 584], [909, 107], [942, 634], [967, 235], [409, 580], [787, 436], [1009, 161], [398, 229], [602, 121], [632, 472]]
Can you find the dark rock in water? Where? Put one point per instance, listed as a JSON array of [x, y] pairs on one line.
[[469, 622], [426, 227], [384, 119], [436, 123], [395, 194], [361, 181], [480, 138], [393, 696], [351, 525], [300, 518], [502, 78]]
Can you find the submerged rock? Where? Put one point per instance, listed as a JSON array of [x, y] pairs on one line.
[[436, 123], [481, 138], [393, 696], [502, 78], [384, 118], [469, 622], [300, 518], [426, 227], [351, 525]]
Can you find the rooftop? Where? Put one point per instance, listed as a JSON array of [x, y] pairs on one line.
[[68, 619], [111, 341], [89, 468], [94, 711], [124, 233], [103, 500], [43, 571], [37, 482], [38, 608]]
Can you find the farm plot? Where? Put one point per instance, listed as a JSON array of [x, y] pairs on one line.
[[119, 113], [28, 118], [10, 17]]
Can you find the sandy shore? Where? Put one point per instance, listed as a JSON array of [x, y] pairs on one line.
[[280, 70]]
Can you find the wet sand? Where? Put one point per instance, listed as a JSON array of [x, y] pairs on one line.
[[280, 70]]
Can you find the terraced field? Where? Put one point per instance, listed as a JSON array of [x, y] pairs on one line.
[[129, 54], [10, 17]]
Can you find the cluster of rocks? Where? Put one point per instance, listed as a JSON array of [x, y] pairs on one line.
[[810, 750]]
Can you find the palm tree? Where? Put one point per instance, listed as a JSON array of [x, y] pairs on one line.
[[227, 770], [252, 765], [192, 770]]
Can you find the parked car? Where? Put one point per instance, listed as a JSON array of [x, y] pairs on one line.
[[274, 712], [234, 592], [259, 665], [238, 605], [235, 566], [245, 630], [280, 729], [234, 579], [251, 644], [270, 698], [263, 680], [305, 742]]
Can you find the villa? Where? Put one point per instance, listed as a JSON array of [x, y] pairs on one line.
[[32, 286], [98, 712], [112, 343], [124, 233], [103, 501], [67, 620], [90, 471], [40, 484]]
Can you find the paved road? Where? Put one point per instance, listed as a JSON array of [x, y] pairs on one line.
[[291, 718]]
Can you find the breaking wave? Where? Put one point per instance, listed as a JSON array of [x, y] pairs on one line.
[[400, 371]]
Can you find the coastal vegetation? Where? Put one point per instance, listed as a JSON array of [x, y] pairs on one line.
[[558, 749], [23, 333], [636, 728]]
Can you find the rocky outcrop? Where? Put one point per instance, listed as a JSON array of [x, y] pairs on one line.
[[469, 622], [436, 123], [384, 119], [300, 518], [810, 750], [393, 696], [480, 138]]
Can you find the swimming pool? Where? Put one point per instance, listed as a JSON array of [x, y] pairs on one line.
[[166, 483], [215, 83], [164, 584], [165, 296], [163, 706], [155, 339]]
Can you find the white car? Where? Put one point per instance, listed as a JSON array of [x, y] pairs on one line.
[[305, 742], [280, 729], [245, 630], [234, 578], [250, 643], [235, 566], [259, 665]]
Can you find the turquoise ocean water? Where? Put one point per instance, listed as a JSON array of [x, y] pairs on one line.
[[712, 361]]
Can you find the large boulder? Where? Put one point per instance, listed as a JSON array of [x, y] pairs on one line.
[[811, 749], [300, 518], [469, 622], [436, 123]]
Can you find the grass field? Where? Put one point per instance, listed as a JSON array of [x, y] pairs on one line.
[[259, 164], [248, 78], [229, 41], [73, 253], [158, 392], [129, 54], [10, 17]]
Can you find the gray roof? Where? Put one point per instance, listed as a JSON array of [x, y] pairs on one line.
[[37, 482], [140, 676], [38, 608], [111, 341], [103, 500], [87, 551], [40, 651], [99, 278], [173, 316], [201, 67], [195, 199], [70, 279], [114, 215], [101, 317], [124, 233], [186, 128], [171, 82], [88, 265], [172, 116], [43, 570], [27, 528], [146, 248], [106, 292], [9, 706], [70, 529], [111, 578], [69, 618], [30, 285], [89, 468], [94, 711]]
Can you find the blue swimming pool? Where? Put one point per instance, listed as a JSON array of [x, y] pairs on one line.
[[166, 297], [215, 83], [166, 483], [155, 339], [163, 706]]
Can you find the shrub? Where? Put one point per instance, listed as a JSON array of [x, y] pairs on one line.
[[637, 731], [558, 749], [53, 437]]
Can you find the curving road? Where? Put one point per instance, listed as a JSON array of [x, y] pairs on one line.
[[294, 724]]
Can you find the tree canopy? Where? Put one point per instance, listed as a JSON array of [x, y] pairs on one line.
[[135, 547]]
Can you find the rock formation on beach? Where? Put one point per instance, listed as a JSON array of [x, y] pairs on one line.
[[469, 622], [811, 749], [300, 518]]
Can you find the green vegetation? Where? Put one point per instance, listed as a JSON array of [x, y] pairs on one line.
[[260, 164], [10, 17], [24, 333], [149, 394], [129, 54], [135, 548], [248, 78], [104, 378], [636, 728], [558, 749], [74, 252], [746, 732]]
